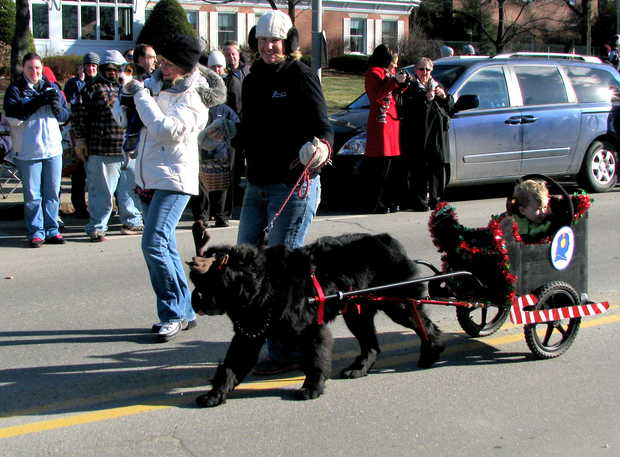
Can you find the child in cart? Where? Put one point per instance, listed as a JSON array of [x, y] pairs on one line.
[[530, 207]]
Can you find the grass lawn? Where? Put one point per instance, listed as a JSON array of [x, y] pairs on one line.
[[341, 89]]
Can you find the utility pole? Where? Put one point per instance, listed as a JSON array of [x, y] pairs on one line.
[[317, 35]]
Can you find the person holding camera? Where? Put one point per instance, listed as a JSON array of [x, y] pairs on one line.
[[36, 108], [423, 136], [383, 142]]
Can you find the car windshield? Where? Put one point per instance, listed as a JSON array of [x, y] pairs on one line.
[[360, 102], [447, 74]]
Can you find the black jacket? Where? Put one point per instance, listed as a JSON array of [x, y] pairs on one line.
[[424, 125], [283, 108]]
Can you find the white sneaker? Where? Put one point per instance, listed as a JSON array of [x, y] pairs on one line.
[[169, 330]]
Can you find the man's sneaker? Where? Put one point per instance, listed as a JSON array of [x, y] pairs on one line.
[[57, 239], [270, 366], [185, 325], [97, 237], [36, 242], [135, 230]]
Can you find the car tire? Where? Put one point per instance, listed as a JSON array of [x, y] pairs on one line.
[[599, 171]]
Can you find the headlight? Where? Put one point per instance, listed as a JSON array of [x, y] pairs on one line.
[[355, 146]]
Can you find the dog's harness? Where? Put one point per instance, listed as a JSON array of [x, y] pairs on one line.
[[320, 299]]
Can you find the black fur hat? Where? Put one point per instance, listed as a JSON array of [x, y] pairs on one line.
[[181, 50]]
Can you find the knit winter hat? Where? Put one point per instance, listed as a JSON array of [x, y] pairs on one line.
[[216, 58], [113, 57], [273, 24], [181, 50], [91, 57]]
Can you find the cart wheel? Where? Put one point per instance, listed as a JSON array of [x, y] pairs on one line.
[[482, 321], [552, 339]]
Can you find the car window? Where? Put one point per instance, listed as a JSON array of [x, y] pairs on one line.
[[489, 84], [592, 84], [360, 102], [540, 85], [447, 74]]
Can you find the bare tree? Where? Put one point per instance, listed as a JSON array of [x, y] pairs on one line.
[[515, 19], [20, 44], [584, 18]]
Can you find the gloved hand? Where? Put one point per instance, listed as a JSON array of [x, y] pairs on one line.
[[315, 153], [219, 131], [50, 96], [56, 107], [81, 151], [132, 87]]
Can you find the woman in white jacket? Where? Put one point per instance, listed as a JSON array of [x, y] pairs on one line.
[[166, 170]]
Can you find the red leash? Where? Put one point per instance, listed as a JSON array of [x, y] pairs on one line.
[[303, 183]]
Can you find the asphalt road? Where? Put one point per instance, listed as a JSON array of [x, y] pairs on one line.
[[80, 374]]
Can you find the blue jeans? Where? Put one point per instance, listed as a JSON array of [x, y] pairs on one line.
[[104, 177], [260, 204], [159, 246], [41, 189]]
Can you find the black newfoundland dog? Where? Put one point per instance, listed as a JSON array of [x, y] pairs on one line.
[[264, 292]]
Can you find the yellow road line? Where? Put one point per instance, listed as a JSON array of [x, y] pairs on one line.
[[113, 413]]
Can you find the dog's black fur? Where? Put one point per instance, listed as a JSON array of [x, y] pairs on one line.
[[264, 291]]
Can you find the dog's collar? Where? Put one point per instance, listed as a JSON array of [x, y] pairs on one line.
[[256, 333]]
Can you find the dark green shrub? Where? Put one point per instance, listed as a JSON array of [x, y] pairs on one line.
[[63, 67], [167, 19], [349, 63], [7, 21]]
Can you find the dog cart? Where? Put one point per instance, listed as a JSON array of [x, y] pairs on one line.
[[492, 273]]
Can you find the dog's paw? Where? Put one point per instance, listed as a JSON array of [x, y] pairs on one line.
[[429, 357], [308, 394], [353, 373], [210, 400]]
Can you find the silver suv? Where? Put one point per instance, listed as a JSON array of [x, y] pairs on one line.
[[517, 115]]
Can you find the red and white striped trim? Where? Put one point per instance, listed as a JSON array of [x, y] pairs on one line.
[[519, 316]]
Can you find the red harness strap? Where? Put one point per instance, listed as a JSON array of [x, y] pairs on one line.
[[320, 298]]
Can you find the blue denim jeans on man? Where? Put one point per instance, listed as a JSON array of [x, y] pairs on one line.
[[260, 204], [41, 187], [104, 177], [159, 246]]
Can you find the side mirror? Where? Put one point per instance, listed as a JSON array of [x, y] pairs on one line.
[[466, 102]]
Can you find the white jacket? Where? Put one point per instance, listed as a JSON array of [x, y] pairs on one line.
[[168, 149]]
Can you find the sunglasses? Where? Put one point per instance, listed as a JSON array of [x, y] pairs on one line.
[[424, 69]]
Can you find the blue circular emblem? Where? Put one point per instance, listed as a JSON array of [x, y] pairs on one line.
[[562, 248]]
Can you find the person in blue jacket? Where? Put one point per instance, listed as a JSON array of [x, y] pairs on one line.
[[36, 108]]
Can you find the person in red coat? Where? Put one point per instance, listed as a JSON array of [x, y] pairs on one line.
[[383, 142]]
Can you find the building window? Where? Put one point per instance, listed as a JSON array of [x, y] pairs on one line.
[[226, 27], [40, 21], [389, 33], [125, 24], [357, 35], [192, 18], [69, 22], [106, 23], [88, 15], [87, 20]]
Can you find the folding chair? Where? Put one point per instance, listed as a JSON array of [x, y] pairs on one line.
[[9, 176]]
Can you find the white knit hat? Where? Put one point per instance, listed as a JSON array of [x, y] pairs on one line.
[[273, 24], [216, 58]]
